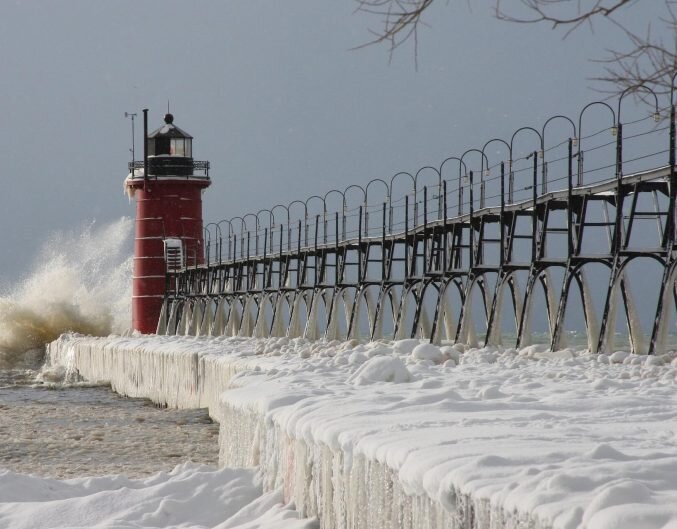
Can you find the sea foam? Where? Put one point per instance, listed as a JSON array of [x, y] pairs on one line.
[[79, 282]]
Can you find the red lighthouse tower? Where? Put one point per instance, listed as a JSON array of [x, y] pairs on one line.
[[167, 187]]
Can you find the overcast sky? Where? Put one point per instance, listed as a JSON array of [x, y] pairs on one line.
[[271, 91]]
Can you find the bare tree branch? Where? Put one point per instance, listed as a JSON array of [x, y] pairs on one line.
[[647, 60], [399, 21]]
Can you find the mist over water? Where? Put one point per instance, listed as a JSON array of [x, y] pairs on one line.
[[80, 282]]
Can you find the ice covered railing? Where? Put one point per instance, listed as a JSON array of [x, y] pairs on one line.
[[406, 434]]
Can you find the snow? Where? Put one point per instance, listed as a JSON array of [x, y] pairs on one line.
[[189, 496], [406, 434], [427, 351], [380, 369]]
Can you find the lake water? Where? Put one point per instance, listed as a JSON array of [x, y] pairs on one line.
[[74, 430]]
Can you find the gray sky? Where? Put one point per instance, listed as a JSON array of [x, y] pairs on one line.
[[271, 92]]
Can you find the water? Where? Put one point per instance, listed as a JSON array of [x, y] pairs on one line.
[[80, 282], [67, 431]]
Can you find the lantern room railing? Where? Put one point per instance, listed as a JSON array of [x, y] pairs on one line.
[[170, 166]]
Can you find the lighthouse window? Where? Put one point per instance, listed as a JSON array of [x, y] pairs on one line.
[[177, 147], [161, 146]]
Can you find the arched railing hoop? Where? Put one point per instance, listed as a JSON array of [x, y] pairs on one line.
[[468, 177], [544, 164], [461, 164], [438, 184], [392, 190], [579, 152], [366, 199]]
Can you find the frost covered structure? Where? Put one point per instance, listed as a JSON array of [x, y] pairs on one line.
[[168, 217], [409, 435]]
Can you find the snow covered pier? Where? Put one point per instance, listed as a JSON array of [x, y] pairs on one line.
[[409, 435]]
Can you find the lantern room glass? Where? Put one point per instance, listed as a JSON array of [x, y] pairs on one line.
[[180, 147]]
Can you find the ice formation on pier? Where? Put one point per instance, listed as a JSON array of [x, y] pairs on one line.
[[484, 437]]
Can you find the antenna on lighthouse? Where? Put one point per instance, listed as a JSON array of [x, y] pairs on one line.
[[132, 115]]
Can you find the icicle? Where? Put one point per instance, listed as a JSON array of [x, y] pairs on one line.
[[311, 331], [369, 302], [665, 313], [355, 305], [219, 324], [295, 323], [496, 335], [517, 300], [347, 310], [424, 322], [527, 338], [636, 334], [591, 315], [468, 334], [172, 323], [378, 328], [552, 307], [261, 327], [196, 320], [246, 328], [278, 317], [161, 324], [402, 317], [186, 315], [234, 319], [609, 337], [333, 328], [207, 318], [448, 319]]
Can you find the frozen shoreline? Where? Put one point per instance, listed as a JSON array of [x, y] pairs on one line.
[[373, 435], [71, 431]]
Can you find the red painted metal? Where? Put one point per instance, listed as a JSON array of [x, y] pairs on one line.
[[165, 208]]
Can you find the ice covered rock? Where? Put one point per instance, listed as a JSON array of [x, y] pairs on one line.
[[490, 392], [428, 351], [378, 349], [605, 451], [405, 347], [653, 361], [618, 357], [53, 374], [381, 369], [357, 358], [451, 352]]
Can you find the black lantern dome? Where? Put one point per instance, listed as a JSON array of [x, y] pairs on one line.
[[170, 140], [170, 152]]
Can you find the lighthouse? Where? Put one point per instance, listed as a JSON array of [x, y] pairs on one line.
[[167, 186]]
